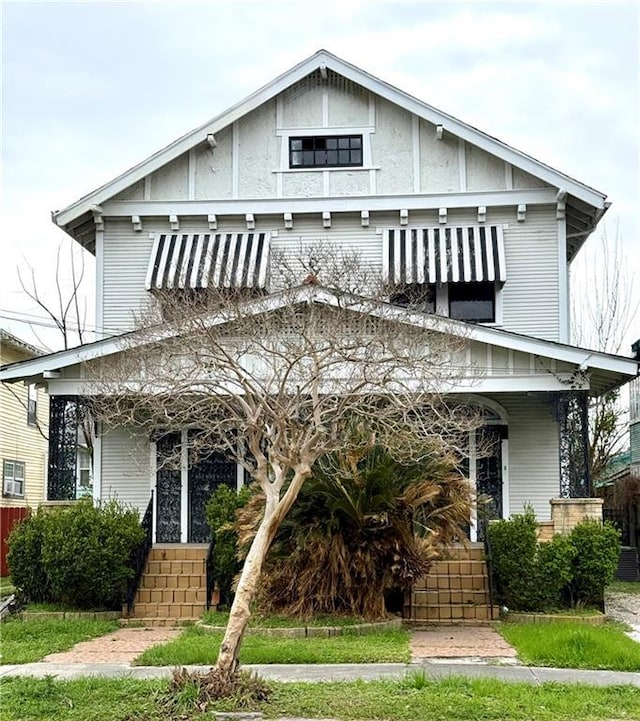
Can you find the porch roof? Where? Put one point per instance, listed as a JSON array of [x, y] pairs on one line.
[[600, 372]]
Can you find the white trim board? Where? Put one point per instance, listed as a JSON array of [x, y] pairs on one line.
[[585, 359]]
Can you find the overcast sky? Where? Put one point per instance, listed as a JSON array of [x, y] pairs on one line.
[[90, 89]]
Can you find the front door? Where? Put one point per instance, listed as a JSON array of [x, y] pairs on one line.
[[489, 443], [204, 477], [183, 487], [168, 489]]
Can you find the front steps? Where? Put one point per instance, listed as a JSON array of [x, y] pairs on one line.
[[173, 586], [454, 592]]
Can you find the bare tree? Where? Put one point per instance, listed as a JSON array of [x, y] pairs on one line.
[[275, 382], [603, 313], [68, 311]]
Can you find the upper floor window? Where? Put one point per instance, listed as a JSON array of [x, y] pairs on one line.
[[473, 302], [13, 478], [454, 271], [325, 151], [32, 405]]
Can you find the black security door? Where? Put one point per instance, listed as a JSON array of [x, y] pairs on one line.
[[168, 489], [489, 475], [204, 477]]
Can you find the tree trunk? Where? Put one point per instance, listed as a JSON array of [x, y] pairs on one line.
[[275, 512]]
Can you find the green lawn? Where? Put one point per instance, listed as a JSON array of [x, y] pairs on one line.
[[6, 586], [573, 645], [414, 699], [27, 641], [197, 646], [220, 618], [625, 587]]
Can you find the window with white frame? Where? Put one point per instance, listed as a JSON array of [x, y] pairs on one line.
[[13, 479], [453, 271], [84, 482], [32, 404]]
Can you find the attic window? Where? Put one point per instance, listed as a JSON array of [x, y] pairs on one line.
[[325, 151]]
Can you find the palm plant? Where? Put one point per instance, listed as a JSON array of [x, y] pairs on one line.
[[366, 522]]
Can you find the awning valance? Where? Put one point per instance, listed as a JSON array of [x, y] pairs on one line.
[[201, 260], [443, 255]]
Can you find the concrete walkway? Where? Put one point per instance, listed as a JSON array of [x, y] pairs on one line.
[[338, 672], [473, 643], [624, 607]]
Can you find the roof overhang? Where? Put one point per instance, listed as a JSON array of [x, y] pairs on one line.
[[583, 202], [603, 370]]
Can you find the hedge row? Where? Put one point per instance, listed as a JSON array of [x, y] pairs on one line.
[[77, 556], [567, 571]]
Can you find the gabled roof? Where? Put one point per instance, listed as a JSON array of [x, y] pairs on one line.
[[613, 370], [13, 341], [588, 198]]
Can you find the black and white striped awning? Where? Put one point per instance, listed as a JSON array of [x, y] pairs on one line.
[[201, 260], [443, 255]]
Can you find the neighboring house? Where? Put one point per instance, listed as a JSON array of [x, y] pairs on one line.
[[327, 152], [621, 489], [24, 422]]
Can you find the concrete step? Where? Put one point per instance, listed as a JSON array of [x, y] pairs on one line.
[[168, 610], [452, 612], [178, 552], [458, 567], [167, 580], [426, 598], [453, 582], [171, 595], [154, 621], [175, 568]]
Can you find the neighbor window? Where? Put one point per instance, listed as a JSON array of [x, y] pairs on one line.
[[32, 405], [334, 151], [13, 478], [473, 302], [84, 473]]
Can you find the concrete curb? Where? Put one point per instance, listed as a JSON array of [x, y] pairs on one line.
[[339, 672]]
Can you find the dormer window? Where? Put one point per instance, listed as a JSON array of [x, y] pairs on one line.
[[325, 151]]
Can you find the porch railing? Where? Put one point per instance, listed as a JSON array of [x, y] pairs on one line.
[[138, 558]]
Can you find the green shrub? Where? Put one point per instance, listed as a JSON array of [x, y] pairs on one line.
[[513, 560], [597, 548], [552, 573], [24, 557], [221, 514], [80, 554]]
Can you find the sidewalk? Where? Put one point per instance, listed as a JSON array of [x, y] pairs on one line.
[[338, 672]]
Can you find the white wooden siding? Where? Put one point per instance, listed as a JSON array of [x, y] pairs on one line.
[[530, 295], [531, 301], [534, 467], [125, 467]]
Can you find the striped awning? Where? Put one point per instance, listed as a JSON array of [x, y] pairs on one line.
[[443, 255], [201, 260]]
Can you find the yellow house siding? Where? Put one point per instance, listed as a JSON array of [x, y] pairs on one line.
[[18, 440]]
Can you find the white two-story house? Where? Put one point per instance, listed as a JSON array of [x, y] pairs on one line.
[[327, 152]]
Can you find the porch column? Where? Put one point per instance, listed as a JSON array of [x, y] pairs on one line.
[[573, 427]]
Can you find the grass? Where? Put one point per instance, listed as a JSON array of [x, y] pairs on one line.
[[573, 645], [27, 641], [625, 587], [416, 698], [220, 618], [6, 586], [199, 647]]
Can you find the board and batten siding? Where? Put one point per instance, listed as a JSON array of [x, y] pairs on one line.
[[125, 467], [534, 465], [403, 154]]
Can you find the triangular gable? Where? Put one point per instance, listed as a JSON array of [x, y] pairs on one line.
[[325, 61], [612, 370]]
